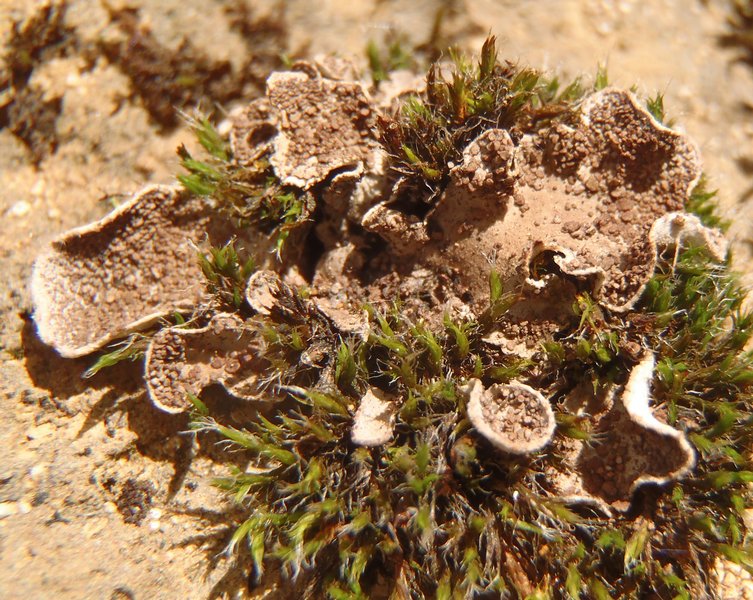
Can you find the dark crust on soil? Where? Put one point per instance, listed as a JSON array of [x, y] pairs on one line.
[[29, 114], [168, 80], [165, 80]]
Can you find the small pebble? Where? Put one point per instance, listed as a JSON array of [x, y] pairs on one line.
[[20, 209], [38, 188], [37, 471]]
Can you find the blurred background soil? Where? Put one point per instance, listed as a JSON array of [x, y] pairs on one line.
[[102, 496]]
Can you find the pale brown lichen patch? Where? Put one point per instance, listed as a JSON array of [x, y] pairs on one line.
[[349, 195], [513, 417], [680, 230], [323, 125], [401, 84], [314, 120], [252, 132], [262, 290], [630, 447], [488, 164], [641, 171], [269, 296], [102, 281], [405, 233], [333, 286], [184, 361], [374, 421], [272, 296], [568, 208]]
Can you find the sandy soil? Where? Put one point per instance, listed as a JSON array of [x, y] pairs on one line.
[[103, 497]]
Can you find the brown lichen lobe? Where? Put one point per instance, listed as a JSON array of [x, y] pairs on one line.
[[581, 209], [374, 421], [632, 447], [585, 204], [101, 281], [513, 417], [183, 361], [322, 124], [579, 198]]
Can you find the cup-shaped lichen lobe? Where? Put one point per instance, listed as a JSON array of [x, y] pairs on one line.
[[622, 172], [333, 117], [630, 444], [625, 454], [580, 195], [513, 417], [182, 362]]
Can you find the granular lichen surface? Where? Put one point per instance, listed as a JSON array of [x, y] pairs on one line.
[[515, 366]]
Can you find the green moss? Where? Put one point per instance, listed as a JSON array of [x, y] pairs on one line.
[[443, 513], [227, 273], [133, 348], [655, 106], [429, 132], [702, 203], [393, 55], [251, 194]]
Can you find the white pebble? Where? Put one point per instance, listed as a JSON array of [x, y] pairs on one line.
[[38, 188], [19, 209], [37, 471], [8, 509], [224, 127]]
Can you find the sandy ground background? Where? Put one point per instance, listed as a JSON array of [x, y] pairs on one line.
[[101, 496]]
